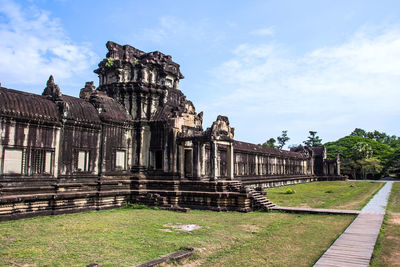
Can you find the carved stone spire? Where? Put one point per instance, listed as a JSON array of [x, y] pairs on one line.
[[87, 91], [52, 90]]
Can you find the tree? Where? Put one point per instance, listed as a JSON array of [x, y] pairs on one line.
[[270, 143], [350, 152], [381, 137], [282, 139], [313, 139], [359, 132], [362, 150], [370, 166]]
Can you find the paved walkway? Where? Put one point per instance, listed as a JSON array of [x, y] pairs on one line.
[[355, 246]]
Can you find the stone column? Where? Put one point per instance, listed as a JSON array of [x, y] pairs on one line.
[[338, 164], [196, 160], [256, 164], [181, 155], [230, 161], [141, 146], [174, 153], [214, 160], [145, 146], [203, 159]]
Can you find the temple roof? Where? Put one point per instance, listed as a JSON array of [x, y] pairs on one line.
[[317, 150], [80, 110], [248, 147], [109, 109], [24, 105]]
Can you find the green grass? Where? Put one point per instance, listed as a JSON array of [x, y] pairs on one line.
[[387, 247], [125, 237], [337, 194]]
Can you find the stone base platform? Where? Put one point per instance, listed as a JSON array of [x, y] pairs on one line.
[[23, 197]]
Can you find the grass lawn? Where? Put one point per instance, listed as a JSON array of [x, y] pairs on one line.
[[387, 248], [126, 236], [336, 194]]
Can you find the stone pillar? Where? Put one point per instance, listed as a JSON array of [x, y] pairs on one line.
[[196, 160], [174, 152], [230, 161], [145, 146], [338, 164], [181, 155], [312, 166], [57, 149], [214, 160], [256, 164], [203, 159], [141, 147]]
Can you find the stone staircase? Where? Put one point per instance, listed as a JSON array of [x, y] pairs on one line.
[[259, 201]]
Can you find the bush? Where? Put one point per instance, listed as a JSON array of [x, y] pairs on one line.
[[136, 206], [290, 191]]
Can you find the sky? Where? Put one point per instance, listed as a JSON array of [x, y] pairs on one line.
[[326, 66]]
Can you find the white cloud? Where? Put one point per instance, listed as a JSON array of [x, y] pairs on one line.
[[328, 89], [34, 45], [174, 29], [269, 31]]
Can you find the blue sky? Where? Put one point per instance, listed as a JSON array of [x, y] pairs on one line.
[[327, 66]]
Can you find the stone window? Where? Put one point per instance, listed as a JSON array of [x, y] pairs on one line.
[[83, 161], [169, 82], [13, 161], [41, 161], [120, 160]]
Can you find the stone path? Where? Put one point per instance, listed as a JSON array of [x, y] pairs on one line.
[[355, 246]]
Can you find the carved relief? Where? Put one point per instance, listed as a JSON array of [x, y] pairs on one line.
[[125, 74], [52, 90], [87, 91], [221, 129], [144, 73]]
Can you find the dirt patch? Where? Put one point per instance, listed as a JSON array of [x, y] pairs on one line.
[[181, 227], [394, 218], [167, 230], [394, 259], [353, 204], [251, 228]]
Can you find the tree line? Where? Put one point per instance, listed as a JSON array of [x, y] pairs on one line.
[[312, 140], [363, 154]]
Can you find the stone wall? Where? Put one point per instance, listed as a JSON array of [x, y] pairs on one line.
[[135, 138]]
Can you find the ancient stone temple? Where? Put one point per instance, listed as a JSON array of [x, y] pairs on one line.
[[135, 138]]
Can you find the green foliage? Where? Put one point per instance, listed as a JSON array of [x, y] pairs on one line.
[[282, 140], [359, 132], [381, 137], [313, 139], [369, 166], [362, 150], [109, 62], [394, 161], [290, 191], [136, 206], [270, 143], [354, 148]]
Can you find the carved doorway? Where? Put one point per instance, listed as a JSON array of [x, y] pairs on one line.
[[188, 163]]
